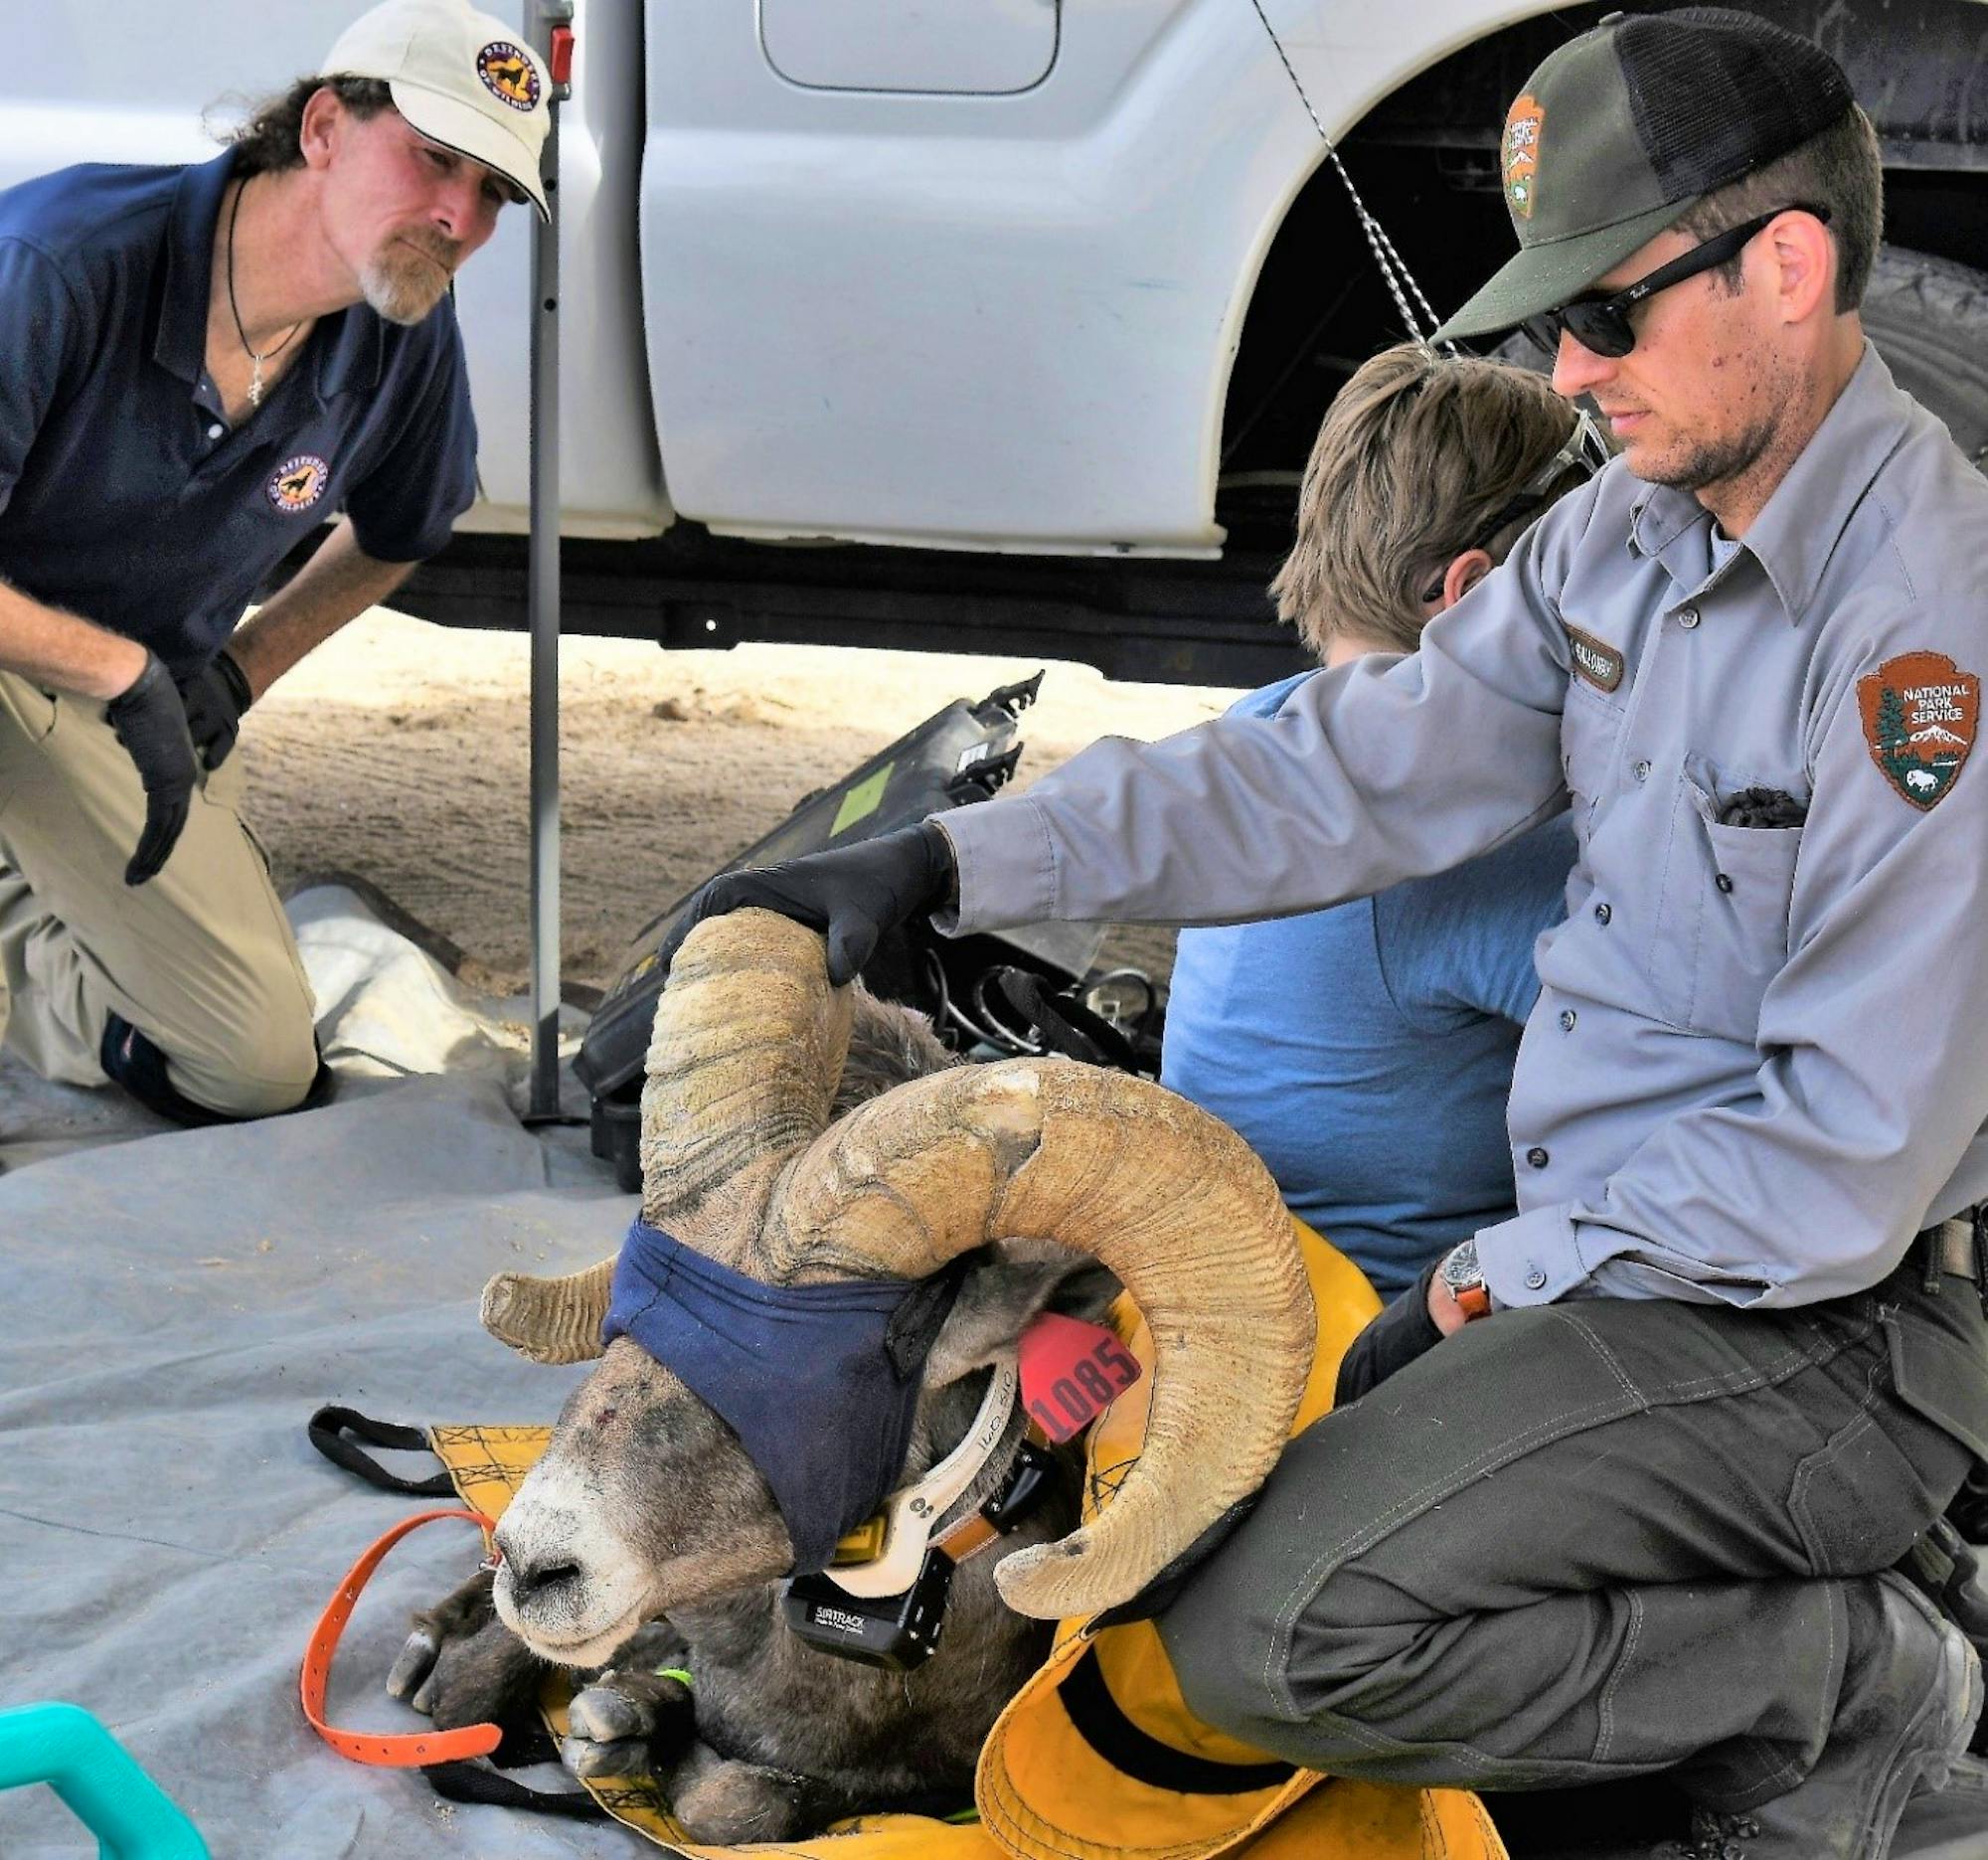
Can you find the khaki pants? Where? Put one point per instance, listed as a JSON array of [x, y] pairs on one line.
[[199, 961]]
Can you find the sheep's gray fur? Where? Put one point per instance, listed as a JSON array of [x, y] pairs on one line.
[[776, 1740]]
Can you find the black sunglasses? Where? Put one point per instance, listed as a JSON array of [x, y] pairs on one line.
[[1600, 320], [1584, 452]]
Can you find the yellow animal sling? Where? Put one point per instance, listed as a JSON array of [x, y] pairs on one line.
[[1161, 1785]]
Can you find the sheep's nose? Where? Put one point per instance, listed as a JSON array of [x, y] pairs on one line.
[[535, 1583]]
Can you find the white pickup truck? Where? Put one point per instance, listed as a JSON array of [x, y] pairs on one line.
[[996, 322]]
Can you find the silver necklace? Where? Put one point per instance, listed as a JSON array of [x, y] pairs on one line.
[[234, 310]]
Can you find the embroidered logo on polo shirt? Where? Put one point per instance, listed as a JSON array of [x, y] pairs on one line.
[[1594, 659], [1919, 713], [508, 75], [298, 483], [1521, 150]]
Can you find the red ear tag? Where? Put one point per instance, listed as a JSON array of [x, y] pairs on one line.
[[1072, 1372]]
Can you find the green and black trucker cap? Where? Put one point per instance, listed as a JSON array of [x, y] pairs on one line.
[[1623, 129]]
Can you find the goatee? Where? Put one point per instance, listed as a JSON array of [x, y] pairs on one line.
[[406, 278]]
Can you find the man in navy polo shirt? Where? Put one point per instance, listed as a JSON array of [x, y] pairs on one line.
[[201, 366]]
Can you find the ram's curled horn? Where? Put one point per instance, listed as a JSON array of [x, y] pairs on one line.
[[748, 1046], [1171, 1200]]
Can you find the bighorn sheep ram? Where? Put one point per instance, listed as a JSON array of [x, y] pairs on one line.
[[646, 1522]]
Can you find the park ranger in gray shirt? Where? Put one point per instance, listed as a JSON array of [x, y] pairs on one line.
[[1747, 1075], [1733, 1359]]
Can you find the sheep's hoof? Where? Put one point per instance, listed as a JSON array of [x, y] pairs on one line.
[[461, 1665], [415, 1664], [627, 1757], [628, 1723]]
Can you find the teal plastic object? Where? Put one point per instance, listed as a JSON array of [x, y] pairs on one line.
[[102, 1785]]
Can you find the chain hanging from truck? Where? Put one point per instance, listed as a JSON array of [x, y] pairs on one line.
[[1395, 272]]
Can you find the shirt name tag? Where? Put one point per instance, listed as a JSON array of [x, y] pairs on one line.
[[1595, 661]]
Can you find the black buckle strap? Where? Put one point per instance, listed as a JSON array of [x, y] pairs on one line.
[[331, 1424]]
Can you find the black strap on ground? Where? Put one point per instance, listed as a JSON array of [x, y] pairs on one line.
[[472, 1782], [1143, 1758], [329, 1428]]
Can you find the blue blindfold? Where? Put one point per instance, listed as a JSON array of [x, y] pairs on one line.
[[819, 1382]]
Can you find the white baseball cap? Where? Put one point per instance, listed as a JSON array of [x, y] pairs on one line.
[[461, 77]]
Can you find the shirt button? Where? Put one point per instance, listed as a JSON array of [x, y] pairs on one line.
[[1643, 771], [1535, 1278], [1537, 1158], [216, 431], [1567, 1018], [1723, 883], [1687, 617], [1602, 913]]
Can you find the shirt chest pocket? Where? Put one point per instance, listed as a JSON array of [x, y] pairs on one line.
[[1722, 923]]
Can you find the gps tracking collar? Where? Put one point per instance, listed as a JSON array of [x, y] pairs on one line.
[[883, 1602], [819, 1382]]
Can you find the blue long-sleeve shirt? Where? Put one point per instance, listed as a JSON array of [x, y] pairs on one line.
[[1366, 1051]]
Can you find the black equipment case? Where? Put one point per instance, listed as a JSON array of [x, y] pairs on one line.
[[962, 755]]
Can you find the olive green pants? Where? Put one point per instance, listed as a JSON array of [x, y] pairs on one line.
[[1590, 1540], [201, 960]]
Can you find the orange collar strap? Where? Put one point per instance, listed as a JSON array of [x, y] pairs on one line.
[[403, 1751]]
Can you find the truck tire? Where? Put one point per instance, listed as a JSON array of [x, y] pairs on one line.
[[1928, 317]]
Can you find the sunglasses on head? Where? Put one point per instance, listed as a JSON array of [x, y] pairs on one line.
[[1585, 450], [1600, 319]]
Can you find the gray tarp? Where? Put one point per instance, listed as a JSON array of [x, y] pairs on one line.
[[173, 1308]]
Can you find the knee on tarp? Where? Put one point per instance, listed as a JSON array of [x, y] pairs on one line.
[[132, 1059]]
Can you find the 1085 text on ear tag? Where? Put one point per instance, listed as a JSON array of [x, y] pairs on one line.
[[1072, 1372]]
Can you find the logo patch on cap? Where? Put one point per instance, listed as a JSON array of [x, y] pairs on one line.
[[1920, 714], [299, 482], [1520, 153], [1594, 659], [508, 75]]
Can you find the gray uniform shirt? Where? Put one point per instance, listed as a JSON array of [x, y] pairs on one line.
[[1755, 1069]]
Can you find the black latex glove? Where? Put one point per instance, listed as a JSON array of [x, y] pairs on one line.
[[214, 698], [853, 892], [151, 723], [1391, 1341]]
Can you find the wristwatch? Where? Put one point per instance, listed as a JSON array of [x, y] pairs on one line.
[[1465, 1280]]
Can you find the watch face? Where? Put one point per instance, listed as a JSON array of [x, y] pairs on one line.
[[1461, 1267]]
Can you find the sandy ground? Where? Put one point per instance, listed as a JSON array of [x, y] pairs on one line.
[[399, 752]]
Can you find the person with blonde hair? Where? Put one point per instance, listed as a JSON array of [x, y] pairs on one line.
[[1366, 1051]]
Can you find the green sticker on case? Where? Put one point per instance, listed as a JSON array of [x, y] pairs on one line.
[[862, 801]]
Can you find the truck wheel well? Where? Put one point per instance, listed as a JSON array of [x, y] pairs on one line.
[[1424, 159]]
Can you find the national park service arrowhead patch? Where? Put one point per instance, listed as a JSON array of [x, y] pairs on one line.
[[1594, 659], [1520, 151], [1919, 713]]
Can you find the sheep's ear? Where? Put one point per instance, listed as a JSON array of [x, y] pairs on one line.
[[1014, 1284]]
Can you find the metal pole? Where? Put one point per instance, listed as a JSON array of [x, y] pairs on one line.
[[549, 16]]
